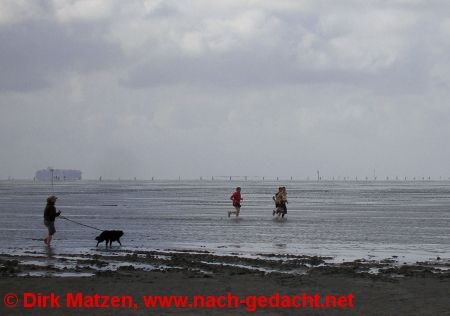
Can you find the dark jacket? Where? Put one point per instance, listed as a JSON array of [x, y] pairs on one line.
[[50, 212]]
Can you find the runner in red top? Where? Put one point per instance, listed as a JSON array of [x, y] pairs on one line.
[[236, 198]]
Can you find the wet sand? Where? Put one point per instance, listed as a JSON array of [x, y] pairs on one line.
[[384, 287]]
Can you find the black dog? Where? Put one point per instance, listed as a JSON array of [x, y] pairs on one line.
[[109, 236]]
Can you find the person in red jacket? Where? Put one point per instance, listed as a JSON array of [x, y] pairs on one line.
[[236, 198]]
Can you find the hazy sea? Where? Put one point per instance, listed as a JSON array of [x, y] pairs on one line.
[[347, 220]]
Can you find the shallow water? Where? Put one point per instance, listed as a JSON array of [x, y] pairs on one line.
[[347, 220]]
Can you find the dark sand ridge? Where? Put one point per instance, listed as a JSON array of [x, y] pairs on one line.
[[420, 289]]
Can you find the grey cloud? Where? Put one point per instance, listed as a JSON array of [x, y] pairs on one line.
[[252, 70], [228, 71], [163, 9], [33, 51], [257, 63]]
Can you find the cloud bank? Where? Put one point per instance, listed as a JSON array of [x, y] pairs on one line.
[[198, 88]]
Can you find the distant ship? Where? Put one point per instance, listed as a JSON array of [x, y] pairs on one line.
[[58, 174]]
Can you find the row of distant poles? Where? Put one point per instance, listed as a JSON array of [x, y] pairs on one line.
[[263, 178], [318, 178]]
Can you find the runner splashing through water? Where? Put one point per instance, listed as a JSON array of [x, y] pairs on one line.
[[236, 198]]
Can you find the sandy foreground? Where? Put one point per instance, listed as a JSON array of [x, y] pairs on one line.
[[385, 287]]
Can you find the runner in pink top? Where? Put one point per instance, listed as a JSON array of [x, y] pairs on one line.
[[236, 198]]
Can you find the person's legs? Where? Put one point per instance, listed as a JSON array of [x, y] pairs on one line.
[[284, 210], [48, 228], [51, 232], [275, 211], [237, 208], [278, 208]]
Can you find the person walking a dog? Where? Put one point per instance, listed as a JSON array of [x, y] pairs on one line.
[[50, 215], [236, 198]]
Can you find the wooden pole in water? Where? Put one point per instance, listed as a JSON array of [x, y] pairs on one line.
[[52, 177]]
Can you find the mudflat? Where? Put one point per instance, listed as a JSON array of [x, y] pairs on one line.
[[393, 290]]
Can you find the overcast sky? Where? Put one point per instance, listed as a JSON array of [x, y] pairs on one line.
[[199, 88]]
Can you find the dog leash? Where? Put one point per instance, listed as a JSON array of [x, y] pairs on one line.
[[71, 220]]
